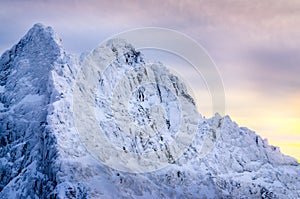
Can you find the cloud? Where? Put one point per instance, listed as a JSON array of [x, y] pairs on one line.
[[275, 70], [191, 17]]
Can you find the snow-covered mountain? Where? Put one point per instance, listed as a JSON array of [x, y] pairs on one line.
[[42, 155]]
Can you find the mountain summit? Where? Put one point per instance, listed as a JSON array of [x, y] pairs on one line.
[[42, 155]]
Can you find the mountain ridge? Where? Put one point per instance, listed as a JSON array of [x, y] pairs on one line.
[[42, 155]]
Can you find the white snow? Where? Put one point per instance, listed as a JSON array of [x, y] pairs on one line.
[[1, 106], [2, 89], [31, 99], [46, 152]]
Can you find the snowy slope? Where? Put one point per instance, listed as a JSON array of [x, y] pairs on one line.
[[25, 76], [42, 156]]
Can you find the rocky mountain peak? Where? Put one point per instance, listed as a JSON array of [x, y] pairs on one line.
[[43, 156]]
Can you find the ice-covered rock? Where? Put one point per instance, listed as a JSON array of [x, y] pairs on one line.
[[42, 154], [25, 76]]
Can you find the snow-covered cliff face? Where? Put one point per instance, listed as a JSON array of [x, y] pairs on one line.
[[145, 113], [42, 156], [27, 87]]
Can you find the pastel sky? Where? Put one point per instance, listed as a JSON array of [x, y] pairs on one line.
[[255, 44]]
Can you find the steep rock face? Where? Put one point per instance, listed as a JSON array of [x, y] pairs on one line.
[[26, 79], [42, 155]]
